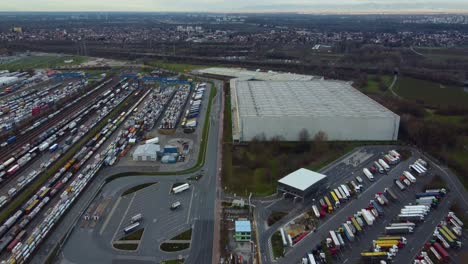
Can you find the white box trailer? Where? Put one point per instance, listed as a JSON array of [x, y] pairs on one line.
[[316, 211], [346, 190], [335, 239], [342, 192], [410, 176], [368, 174], [384, 164], [379, 167], [181, 188]]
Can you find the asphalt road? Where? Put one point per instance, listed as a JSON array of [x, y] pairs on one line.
[[202, 211]]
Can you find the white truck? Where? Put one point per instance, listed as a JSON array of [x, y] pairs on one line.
[[368, 174], [384, 164], [181, 188]]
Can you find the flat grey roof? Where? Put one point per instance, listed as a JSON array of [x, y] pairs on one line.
[[147, 149], [258, 75], [318, 97], [302, 179]]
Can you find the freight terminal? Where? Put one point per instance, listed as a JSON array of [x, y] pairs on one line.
[[273, 104]]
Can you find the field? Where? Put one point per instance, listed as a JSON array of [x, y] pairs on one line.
[[443, 54], [176, 67], [430, 93], [41, 62], [257, 167], [372, 86]]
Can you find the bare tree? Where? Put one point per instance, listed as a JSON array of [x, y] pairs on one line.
[[304, 135]]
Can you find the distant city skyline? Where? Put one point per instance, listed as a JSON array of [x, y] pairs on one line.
[[305, 6]]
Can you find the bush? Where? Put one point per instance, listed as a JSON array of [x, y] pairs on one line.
[[275, 217]]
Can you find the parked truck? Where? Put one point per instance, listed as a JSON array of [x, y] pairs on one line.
[[377, 207], [368, 217], [348, 232], [335, 240], [400, 185], [391, 194], [316, 211], [368, 174], [379, 167], [384, 164], [390, 230], [410, 176], [411, 217]]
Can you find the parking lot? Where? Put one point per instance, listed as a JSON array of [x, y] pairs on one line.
[[159, 222], [343, 171]]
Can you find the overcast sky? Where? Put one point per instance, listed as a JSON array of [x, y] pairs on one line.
[[192, 5]]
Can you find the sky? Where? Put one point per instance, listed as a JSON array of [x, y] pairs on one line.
[[224, 5]]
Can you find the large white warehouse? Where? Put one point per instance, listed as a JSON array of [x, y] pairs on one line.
[[284, 108]]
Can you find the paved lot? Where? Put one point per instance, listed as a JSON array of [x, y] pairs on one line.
[[159, 222]]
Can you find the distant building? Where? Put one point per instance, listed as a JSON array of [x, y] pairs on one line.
[[147, 152], [243, 231], [302, 183], [17, 29]]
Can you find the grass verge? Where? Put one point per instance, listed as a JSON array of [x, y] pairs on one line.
[[173, 247], [186, 235], [129, 246], [277, 245], [137, 188], [134, 235], [173, 261]]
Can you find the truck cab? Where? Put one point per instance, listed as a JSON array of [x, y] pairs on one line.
[[175, 205]]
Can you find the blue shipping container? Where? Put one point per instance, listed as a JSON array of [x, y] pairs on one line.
[[11, 140]]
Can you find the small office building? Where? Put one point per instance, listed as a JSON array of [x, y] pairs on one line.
[[243, 230]]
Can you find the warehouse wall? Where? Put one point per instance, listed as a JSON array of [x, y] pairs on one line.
[[337, 128]]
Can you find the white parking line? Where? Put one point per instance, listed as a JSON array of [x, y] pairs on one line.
[[109, 216], [123, 217]]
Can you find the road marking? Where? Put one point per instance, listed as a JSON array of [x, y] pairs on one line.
[[123, 217], [109, 216], [190, 205]]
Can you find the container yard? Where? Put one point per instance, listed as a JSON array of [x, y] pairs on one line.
[[110, 135]]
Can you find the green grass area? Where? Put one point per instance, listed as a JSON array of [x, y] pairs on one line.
[[136, 235], [443, 54], [129, 246], [186, 235], [173, 261], [277, 245], [227, 125], [454, 119], [373, 84], [430, 93], [40, 62], [175, 67], [42, 178], [173, 247], [137, 188], [275, 217]]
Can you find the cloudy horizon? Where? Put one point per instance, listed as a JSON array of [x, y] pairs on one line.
[[232, 6]]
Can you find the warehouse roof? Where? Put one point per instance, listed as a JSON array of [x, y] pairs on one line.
[[302, 179], [243, 226], [316, 97], [147, 149], [257, 75]]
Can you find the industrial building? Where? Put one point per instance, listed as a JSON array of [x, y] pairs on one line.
[[243, 230], [302, 183], [270, 104], [147, 152]]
